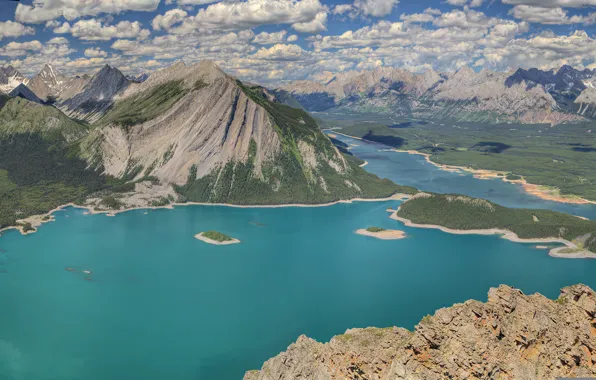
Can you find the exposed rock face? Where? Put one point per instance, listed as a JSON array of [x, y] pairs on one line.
[[207, 128], [10, 78], [96, 96], [511, 336], [49, 82], [24, 92], [220, 140], [527, 96]]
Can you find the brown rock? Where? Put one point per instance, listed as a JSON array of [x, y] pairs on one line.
[[511, 336]]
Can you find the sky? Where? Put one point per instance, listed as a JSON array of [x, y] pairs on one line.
[[273, 41]]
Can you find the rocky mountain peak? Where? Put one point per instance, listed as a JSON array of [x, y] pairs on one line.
[[511, 336]]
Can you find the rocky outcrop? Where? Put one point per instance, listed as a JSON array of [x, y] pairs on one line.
[[511, 336]]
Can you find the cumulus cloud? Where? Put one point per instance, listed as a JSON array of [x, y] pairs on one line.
[[46, 10], [293, 38], [95, 52], [375, 8], [550, 15], [251, 13], [94, 30], [265, 38], [553, 3], [14, 29], [169, 19], [191, 2], [318, 24], [281, 52]]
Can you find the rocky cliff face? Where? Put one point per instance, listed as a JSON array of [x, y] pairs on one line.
[[527, 96], [219, 140], [511, 336], [96, 96], [10, 78]]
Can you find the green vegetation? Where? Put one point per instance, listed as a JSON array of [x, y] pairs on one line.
[[217, 236], [36, 175], [27, 227], [287, 179], [513, 177], [110, 202], [465, 213], [161, 202], [375, 229], [145, 106], [19, 116], [562, 157]]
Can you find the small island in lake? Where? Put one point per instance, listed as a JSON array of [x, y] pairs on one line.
[[217, 238], [381, 233]]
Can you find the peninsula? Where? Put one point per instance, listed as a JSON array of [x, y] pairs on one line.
[[459, 214]]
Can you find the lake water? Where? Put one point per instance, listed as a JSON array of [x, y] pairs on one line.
[[414, 170], [165, 305]]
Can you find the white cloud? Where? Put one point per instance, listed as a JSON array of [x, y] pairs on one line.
[[46, 10], [293, 38], [342, 8], [169, 19], [265, 38], [58, 41], [191, 2], [95, 52], [14, 29], [553, 3], [93, 30], [281, 52], [549, 15], [314, 26], [375, 8], [251, 13], [457, 3]]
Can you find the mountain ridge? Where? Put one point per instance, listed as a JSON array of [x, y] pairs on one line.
[[526, 96], [511, 336]]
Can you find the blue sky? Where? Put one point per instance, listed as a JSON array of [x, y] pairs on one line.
[[278, 40]]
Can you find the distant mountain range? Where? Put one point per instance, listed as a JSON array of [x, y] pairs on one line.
[[524, 96]]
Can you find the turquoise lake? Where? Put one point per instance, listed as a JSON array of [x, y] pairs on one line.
[[165, 305]]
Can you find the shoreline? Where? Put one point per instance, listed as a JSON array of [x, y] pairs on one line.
[[509, 235], [93, 211], [539, 191]]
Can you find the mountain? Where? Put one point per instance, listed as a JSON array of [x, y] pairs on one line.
[[19, 115], [218, 140], [139, 78], [24, 92], [49, 82], [10, 78], [188, 133], [96, 95], [511, 336], [526, 96]]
